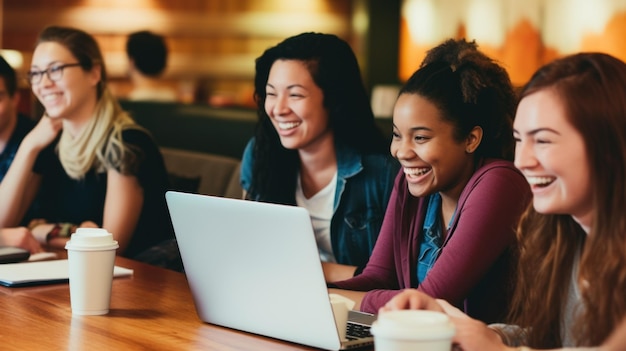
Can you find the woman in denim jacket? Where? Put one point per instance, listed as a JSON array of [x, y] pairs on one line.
[[317, 146]]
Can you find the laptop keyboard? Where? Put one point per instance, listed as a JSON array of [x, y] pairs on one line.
[[357, 331]]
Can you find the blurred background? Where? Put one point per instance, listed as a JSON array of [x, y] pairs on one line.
[[213, 43]]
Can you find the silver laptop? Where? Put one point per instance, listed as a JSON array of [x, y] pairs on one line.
[[255, 267]]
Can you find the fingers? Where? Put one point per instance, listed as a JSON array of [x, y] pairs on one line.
[[419, 301], [398, 302], [451, 310], [413, 300], [34, 246], [88, 224], [43, 134], [20, 237], [28, 241]]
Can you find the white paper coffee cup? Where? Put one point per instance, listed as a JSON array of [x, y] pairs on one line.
[[91, 257], [414, 330]]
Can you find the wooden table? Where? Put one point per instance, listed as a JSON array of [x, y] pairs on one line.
[[152, 310]]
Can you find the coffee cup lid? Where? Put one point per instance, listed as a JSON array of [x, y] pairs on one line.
[[92, 239]]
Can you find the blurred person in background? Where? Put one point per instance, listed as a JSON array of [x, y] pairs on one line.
[[13, 125], [13, 128], [147, 60]]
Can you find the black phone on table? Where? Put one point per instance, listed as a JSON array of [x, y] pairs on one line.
[[10, 254]]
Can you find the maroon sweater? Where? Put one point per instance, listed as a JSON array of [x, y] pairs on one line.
[[473, 271]]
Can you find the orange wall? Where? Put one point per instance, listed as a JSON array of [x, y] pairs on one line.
[[523, 50]]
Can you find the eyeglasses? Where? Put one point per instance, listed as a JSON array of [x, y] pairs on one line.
[[54, 73]]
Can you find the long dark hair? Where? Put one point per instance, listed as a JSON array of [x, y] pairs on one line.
[[335, 70], [592, 89]]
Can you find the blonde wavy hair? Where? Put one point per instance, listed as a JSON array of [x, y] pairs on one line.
[[100, 145]]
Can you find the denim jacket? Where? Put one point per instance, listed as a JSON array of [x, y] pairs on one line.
[[364, 184]]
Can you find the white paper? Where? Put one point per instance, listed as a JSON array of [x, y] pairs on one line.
[[55, 271], [41, 256]]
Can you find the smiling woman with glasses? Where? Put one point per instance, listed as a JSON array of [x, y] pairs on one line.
[[89, 162], [54, 72]]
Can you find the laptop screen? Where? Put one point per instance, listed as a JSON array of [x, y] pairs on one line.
[[254, 267]]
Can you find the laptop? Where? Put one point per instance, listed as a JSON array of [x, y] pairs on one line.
[[255, 267]]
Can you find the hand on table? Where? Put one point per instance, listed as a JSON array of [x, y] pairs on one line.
[[411, 299], [470, 334], [20, 237]]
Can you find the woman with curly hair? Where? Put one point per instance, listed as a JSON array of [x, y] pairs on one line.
[[449, 230]]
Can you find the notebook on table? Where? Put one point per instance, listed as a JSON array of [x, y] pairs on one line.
[[255, 267], [43, 272]]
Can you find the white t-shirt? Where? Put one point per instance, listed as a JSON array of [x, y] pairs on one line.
[[320, 207]]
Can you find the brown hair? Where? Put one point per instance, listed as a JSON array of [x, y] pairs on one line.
[[592, 89]]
